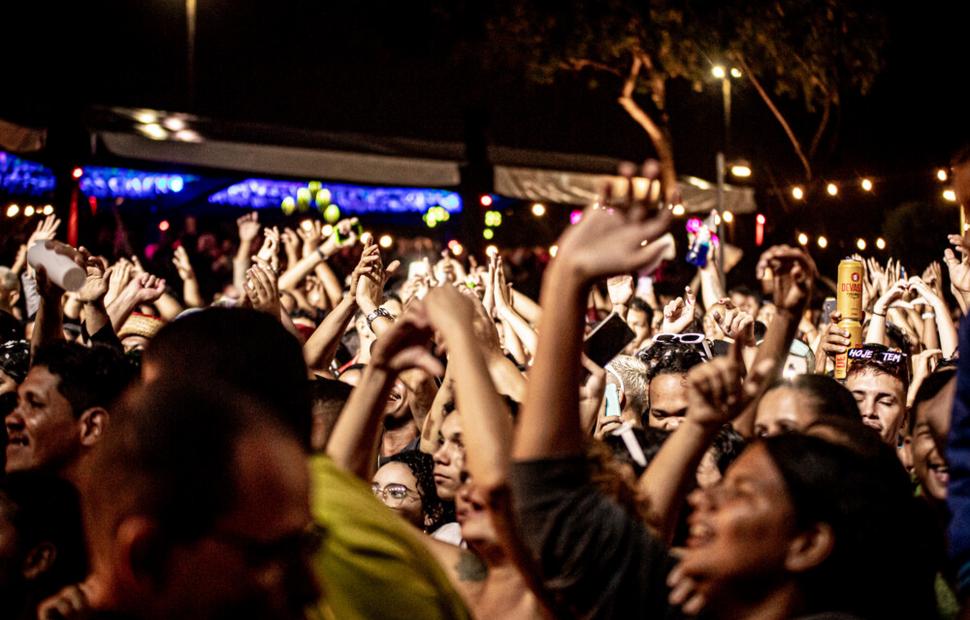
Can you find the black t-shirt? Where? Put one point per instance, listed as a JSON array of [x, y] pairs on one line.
[[596, 559]]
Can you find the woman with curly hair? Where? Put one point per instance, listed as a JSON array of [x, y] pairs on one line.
[[406, 485]]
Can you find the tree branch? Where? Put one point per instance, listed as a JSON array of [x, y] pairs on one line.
[[658, 136], [826, 113], [578, 64], [796, 144]]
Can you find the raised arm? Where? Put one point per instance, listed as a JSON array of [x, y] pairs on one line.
[[248, 227], [793, 275], [877, 318], [191, 294], [715, 396], [605, 243], [354, 440]]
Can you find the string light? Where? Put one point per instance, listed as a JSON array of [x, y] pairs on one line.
[[866, 185], [728, 217], [48, 209], [797, 192], [163, 225], [880, 243], [28, 210], [718, 72], [488, 234], [861, 244], [385, 241], [949, 195], [678, 210], [13, 210], [832, 189], [456, 248], [735, 72], [823, 242], [802, 239], [77, 173], [538, 209], [941, 175], [553, 250], [485, 200], [742, 171]]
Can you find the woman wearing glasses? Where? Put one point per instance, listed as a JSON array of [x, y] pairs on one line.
[[406, 485]]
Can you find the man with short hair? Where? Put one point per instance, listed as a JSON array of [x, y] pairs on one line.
[[198, 506], [640, 319], [880, 391], [63, 406], [667, 369]]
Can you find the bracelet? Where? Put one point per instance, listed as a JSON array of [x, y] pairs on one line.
[[378, 313], [321, 254], [929, 315], [874, 313]]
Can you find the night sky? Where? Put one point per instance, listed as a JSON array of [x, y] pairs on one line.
[[387, 68]]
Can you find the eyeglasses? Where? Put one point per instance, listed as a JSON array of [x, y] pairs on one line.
[[393, 494], [259, 553]]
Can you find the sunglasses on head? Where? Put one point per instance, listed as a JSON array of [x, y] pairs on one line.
[[696, 340]]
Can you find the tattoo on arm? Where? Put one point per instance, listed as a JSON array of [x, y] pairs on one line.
[[470, 567]]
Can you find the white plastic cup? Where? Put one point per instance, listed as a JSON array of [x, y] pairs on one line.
[[57, 259]]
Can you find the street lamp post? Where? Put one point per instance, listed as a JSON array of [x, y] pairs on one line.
[[190, 19]]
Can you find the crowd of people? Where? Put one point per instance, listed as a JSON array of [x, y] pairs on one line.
[[303, 426]]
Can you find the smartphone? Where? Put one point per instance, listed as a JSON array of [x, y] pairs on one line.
[[827, 309], [612, 399], [608, 340]]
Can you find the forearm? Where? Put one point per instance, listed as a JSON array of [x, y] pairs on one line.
[[711, 291], [548, 424], [775, 347], [168, 307], [432, 422], [120, 309], [354, 440], [876, 333], [526, 307], [506, 377], [191, 293], [331, 285], [95, 316], [322, 345], [945, 328], [513, 345], [292, 277], [423, 390], [523, 330], [486, 422], [240, 263], [666, 482], [48, 324]]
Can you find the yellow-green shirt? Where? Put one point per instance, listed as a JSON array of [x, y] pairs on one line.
[[372, 565]]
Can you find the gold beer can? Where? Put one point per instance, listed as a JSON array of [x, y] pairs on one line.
[[849, 290], [855, 340]]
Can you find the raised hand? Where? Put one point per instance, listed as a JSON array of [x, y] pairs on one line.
[[405, 345], [344, 236], [615, 237], [958, 268], [793, 274], [835, 340], [182, 264], [679, 313], [118, 281], [261, 288], [248, 226], [894, 293], [291, 244], [270, 250], [933, 276], [96, 280], [370, 287], [46, 230], [717, 391], [735, 323], [620, 289], [311, 232], [146, 288]]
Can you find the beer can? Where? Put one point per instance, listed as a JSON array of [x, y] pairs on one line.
[[855, 340], [849, 290]]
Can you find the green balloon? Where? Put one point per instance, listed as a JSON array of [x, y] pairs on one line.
[[323, 198], [288, 206], [331, 213]]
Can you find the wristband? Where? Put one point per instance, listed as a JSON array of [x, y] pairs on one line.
[[378, 313], [929, 315]]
